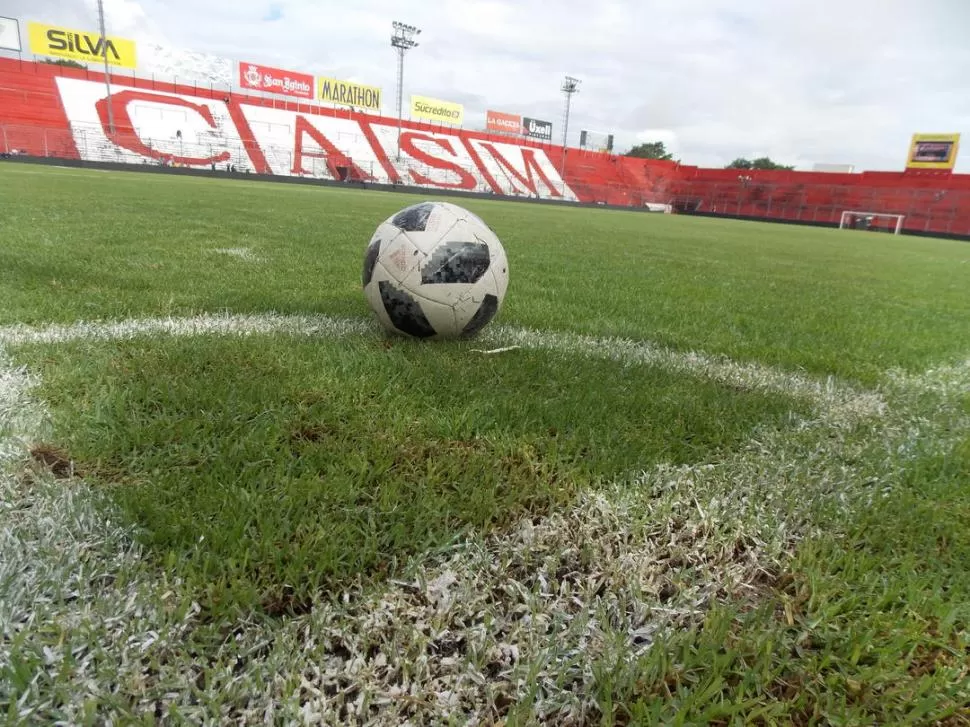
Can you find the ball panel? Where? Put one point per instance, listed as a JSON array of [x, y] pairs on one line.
[[456, 262], [404, 311], [499, 272], [464, 214], [370, 259], [449, 295], [442, 318], [372, 293], [401, 258], [413, 218], [441, 227], [486, 312]]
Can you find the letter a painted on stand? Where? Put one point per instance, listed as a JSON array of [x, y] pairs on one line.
[[333, 156]]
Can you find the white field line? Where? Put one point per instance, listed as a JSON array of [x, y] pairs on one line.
[[201, 325], [838, 399], [60, 556], [241, 253], [47, 530], [839, 402], [524, 617], [527, 615], [18, 413], [85, 170], [949, 381]]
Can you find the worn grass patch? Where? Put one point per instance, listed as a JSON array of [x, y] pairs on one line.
[[869, 624], [268, 468]]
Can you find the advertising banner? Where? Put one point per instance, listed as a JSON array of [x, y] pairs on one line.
[[80, 45], [257, 77], [503, 123], [537, 129], [933, 151], [436, 110], [9, 34], [348, 93]]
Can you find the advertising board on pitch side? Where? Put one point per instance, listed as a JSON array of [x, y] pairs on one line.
[[9, 34], [80, 45], [348, 93], [275, 80], [596, 140], [436, 110]]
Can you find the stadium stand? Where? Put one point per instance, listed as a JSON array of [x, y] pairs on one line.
[[57, 111], [32, 117]]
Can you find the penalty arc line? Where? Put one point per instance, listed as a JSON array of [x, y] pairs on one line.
[[589, 583], [838, 401]]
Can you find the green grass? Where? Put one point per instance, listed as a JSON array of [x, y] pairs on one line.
[[87, 245], [869, 625], [267, 470], [267, 473]]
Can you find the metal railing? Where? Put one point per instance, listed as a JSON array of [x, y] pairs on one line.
[[89, 142], [926, 209]]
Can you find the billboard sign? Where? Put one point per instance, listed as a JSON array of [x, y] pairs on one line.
[[348, 93], [537, 129], [80, 45], [933, 151], [833, 168], [595, 140], [436, 110], [503, 123], [9, 34], [257, 77]]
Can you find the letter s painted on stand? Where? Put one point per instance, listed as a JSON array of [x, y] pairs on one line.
[[408, 146]]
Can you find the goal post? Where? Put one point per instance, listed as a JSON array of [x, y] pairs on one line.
[[876, 221]]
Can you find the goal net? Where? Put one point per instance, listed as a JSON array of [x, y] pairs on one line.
[[874, 221]]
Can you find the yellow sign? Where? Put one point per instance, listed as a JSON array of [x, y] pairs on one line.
[[933, 151], [80, 45], [347, 93], [433, 109]]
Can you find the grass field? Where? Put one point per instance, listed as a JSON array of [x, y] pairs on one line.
[[723, 477]]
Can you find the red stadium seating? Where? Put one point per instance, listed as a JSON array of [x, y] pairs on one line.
[[31, 115], [56, 111]]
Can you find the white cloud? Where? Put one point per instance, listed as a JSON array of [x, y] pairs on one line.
[[802, 81]]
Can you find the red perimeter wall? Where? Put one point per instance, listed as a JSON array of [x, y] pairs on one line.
[[48, 110]]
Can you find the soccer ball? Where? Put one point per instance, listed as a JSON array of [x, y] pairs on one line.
[[435, 270]]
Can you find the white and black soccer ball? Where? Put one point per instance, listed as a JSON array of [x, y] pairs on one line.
[[435, 270]]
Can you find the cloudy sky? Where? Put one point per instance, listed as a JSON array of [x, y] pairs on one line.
[[801, 81]]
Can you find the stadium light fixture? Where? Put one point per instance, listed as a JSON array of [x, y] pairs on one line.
[[402, 40], [107, 72], [569, 86]]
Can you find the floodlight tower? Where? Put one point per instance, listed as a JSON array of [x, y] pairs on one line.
[[570, 86], [403, 41], [107, 73]]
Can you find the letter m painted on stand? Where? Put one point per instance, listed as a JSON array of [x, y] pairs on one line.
[[525, 177]]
